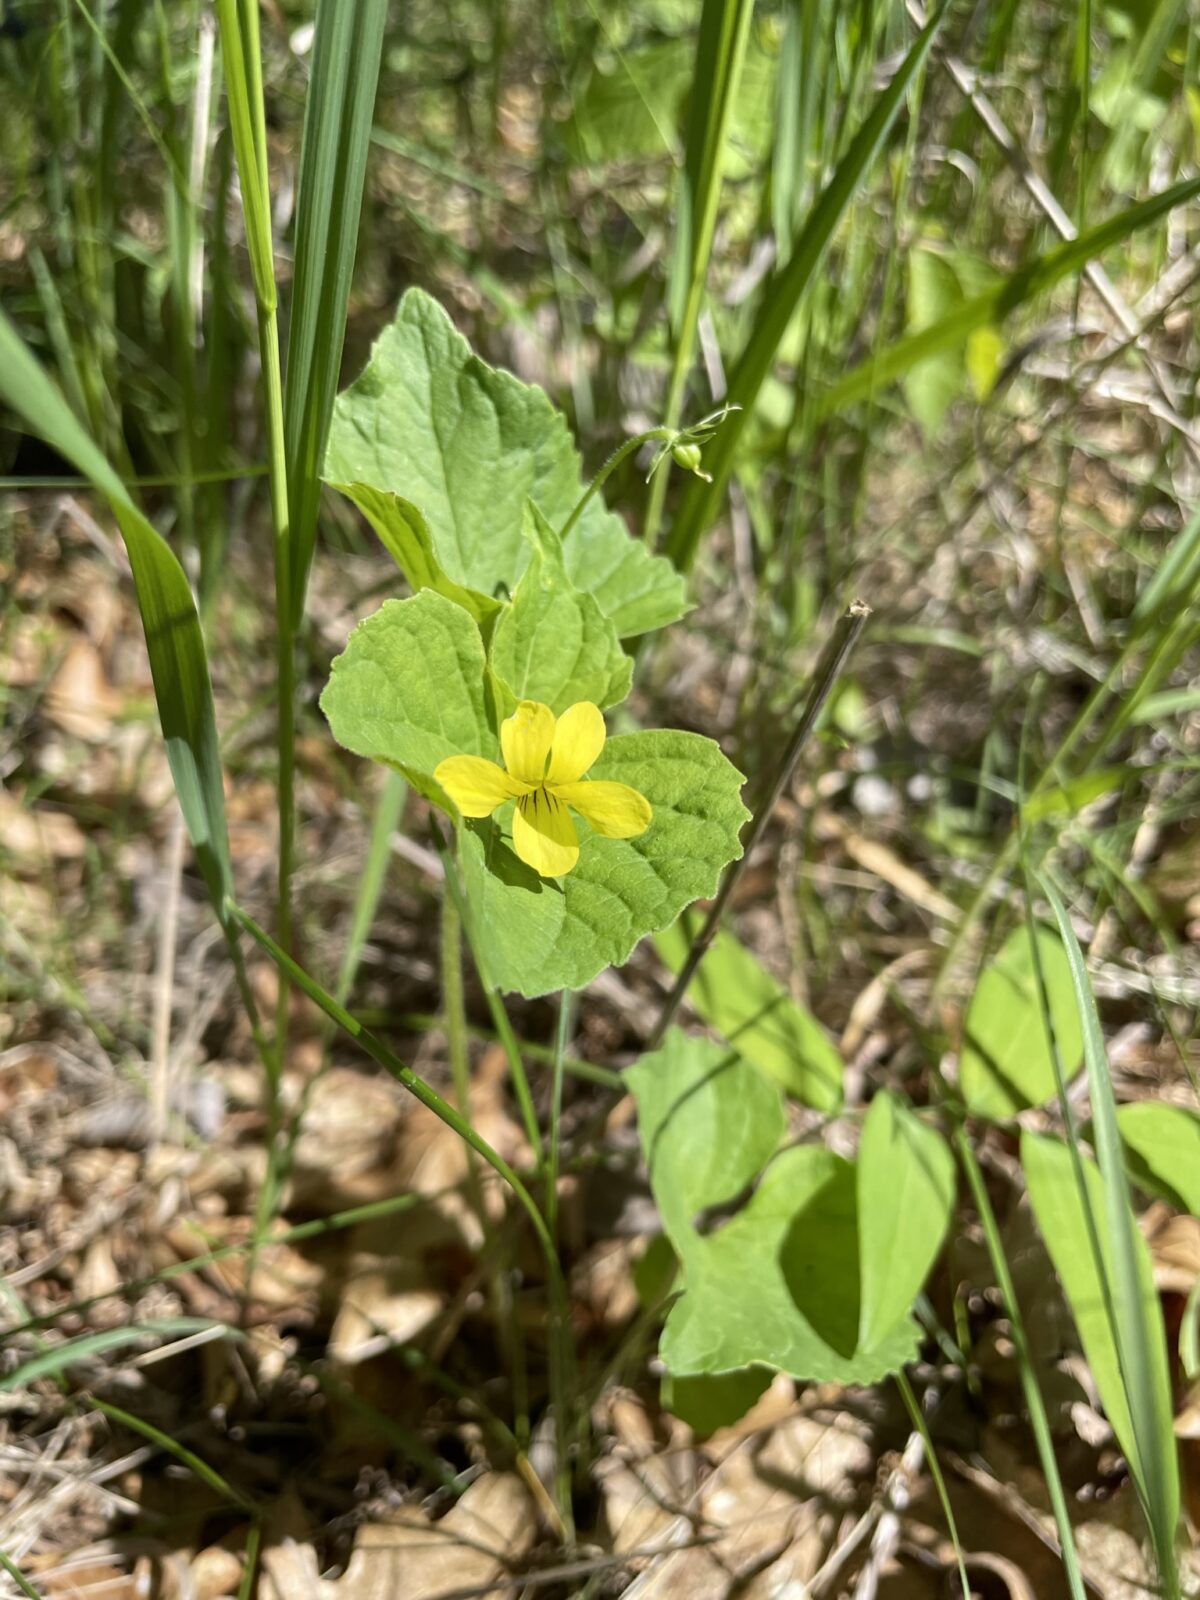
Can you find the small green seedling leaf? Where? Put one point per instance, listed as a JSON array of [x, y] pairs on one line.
[[408, 689], [735, 994], [468, 446], [778, 1286], [1007, 1063], [553, 643], [1162, 1149], [708, 1124], [537, 934], [405, 536], [1058, 1206], [905, 1197]]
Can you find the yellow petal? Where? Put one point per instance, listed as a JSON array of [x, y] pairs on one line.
[[613, 809], [476, 786], [525, 739], [543, 834], [578, 740]]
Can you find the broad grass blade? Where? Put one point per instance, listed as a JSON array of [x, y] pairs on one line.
[[174, 640], [337, 136], [784, 295], [1138, 1330], [1012, 292]]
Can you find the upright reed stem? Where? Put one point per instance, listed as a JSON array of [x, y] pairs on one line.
[[1034, 1403], [242, 57], [829, 667]]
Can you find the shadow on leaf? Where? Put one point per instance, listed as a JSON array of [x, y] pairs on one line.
[[819, 1261]]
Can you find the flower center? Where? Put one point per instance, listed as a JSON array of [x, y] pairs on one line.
[[541, 802]]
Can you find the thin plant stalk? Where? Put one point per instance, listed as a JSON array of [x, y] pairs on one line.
[[561, 1035], [917, 1417], [1035, 1404], [455, 1016], [242, 57], [500, 1017], [457, 1123], [17, 1576], [829, 668], [621, 453], [720, 55], [562, 1358], [457, 1048]]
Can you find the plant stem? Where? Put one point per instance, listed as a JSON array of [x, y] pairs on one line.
[[661, 435], [454, 1010], [561, 1353], [442, 1109], [556, 1092], [1034, 1403], [720, 54], [416, 1085], [833, 658], [935, 1472], [504, 1027]]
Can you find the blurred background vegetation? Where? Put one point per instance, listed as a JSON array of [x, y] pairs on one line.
[[947, 409]]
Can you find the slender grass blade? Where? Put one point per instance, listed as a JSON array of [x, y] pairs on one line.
[[178, 662], [333, 163]]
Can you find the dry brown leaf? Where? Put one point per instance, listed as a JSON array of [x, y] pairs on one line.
[[345, 1155], [34, 835], [1174, 1249], [491, 1529], [772, 1505], [643, 1486], [81, 700]]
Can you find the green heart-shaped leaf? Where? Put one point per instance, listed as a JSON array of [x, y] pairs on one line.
[[408, 689], [553, 643], [778, 1286], [468, 446], [538, 934]]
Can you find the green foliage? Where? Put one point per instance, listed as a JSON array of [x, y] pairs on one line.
[[991, 308], [1007, 1061], [174, 642], [906, 1193], [779, 1284], [786, 291], [536, 934], [1119, 1255], [939, 283], [405, 536], [809, 1277], [708, 1124], [347, 48], [707, 1401], [1063, 1223], [740, 998], [553, 643], [491, 464], [1162, 1150], [469, 447], [630, 105], [409, 689]]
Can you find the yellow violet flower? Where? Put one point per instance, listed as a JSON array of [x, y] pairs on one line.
[[546, 758]]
